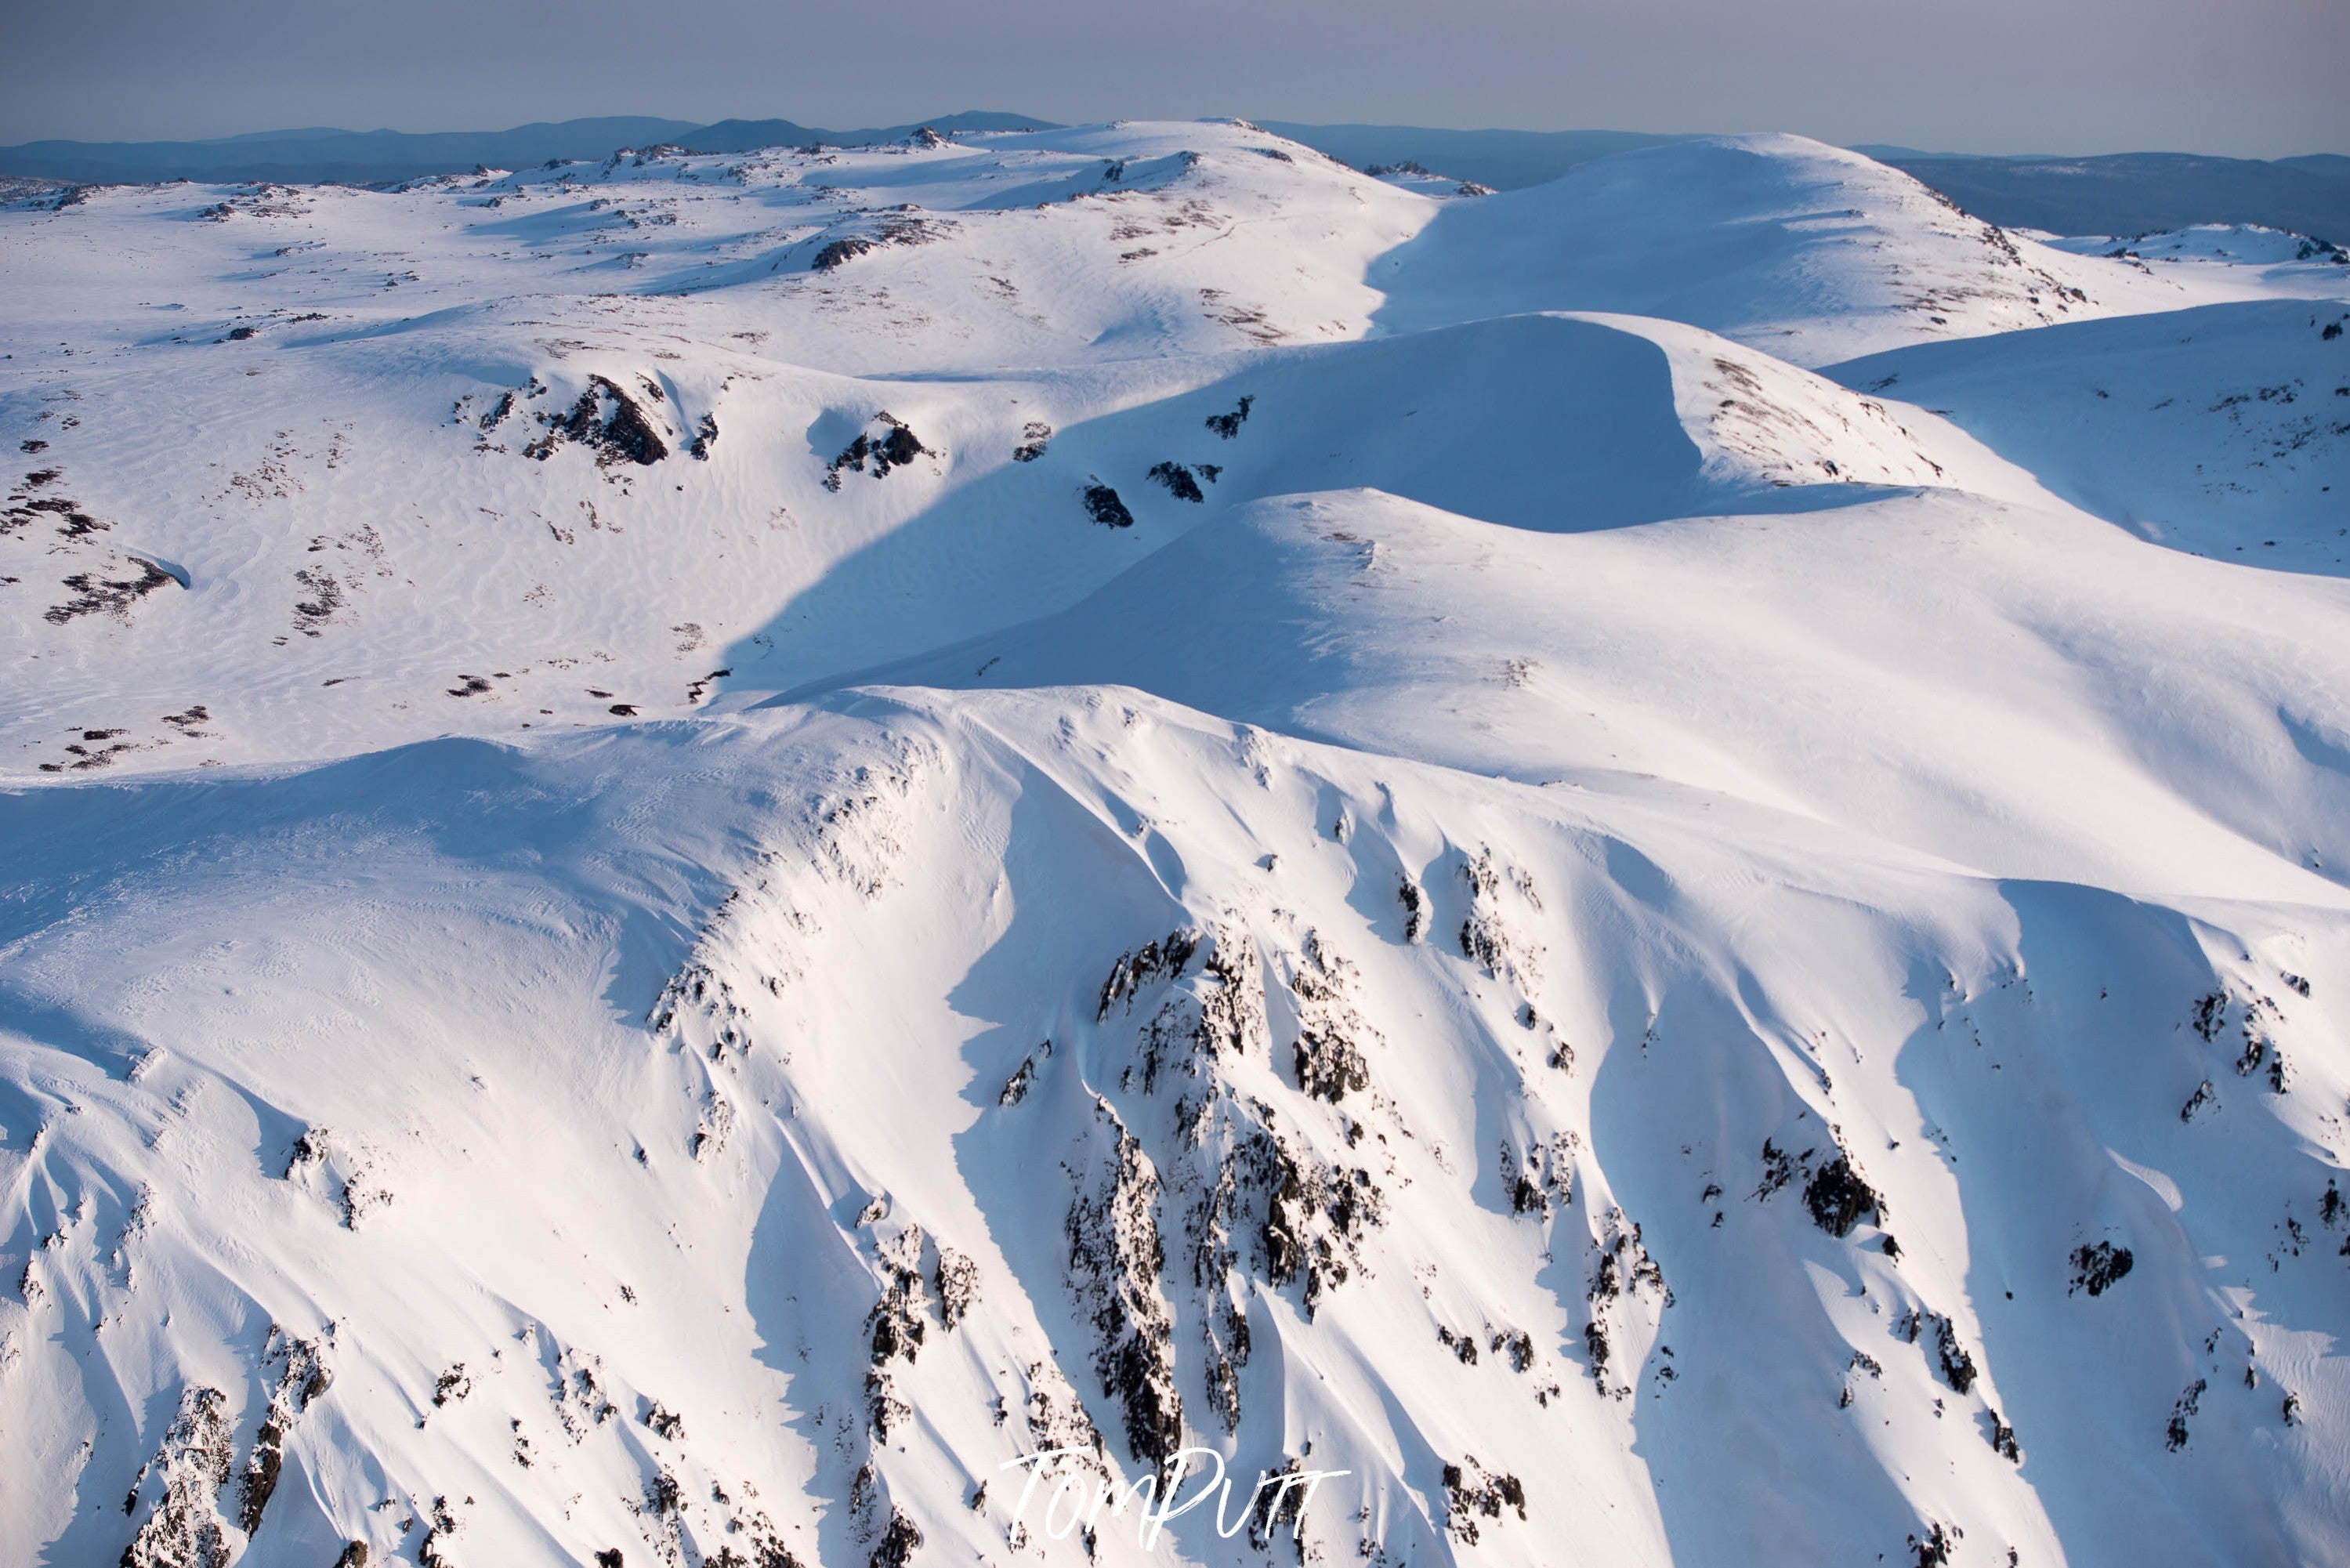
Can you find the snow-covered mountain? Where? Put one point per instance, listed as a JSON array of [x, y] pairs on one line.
[[699, 847]]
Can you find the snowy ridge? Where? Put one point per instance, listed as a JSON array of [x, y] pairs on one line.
[[1812, 252], [2224, 430], [1116, 789]]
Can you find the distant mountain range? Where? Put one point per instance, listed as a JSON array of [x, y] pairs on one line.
[[2139, 192], [323, 155], [2120, 193]]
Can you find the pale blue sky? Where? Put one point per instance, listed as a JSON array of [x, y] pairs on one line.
[[2253, 78]]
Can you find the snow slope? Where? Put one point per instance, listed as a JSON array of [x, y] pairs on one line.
[[1810, 252], [665, 903], [1733, 661], [2224, 430]]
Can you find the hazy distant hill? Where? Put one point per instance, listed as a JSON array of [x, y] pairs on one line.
[[743, 135], [1505, 159], [323, 155], [2139, 192], [349, 157]]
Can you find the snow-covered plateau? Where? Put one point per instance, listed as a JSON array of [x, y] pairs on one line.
[[697, 851]]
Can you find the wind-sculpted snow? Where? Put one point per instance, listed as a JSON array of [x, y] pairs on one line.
[[991, 851], [1716, 662], [2224, 430], [1810, 253], [397, 464]]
